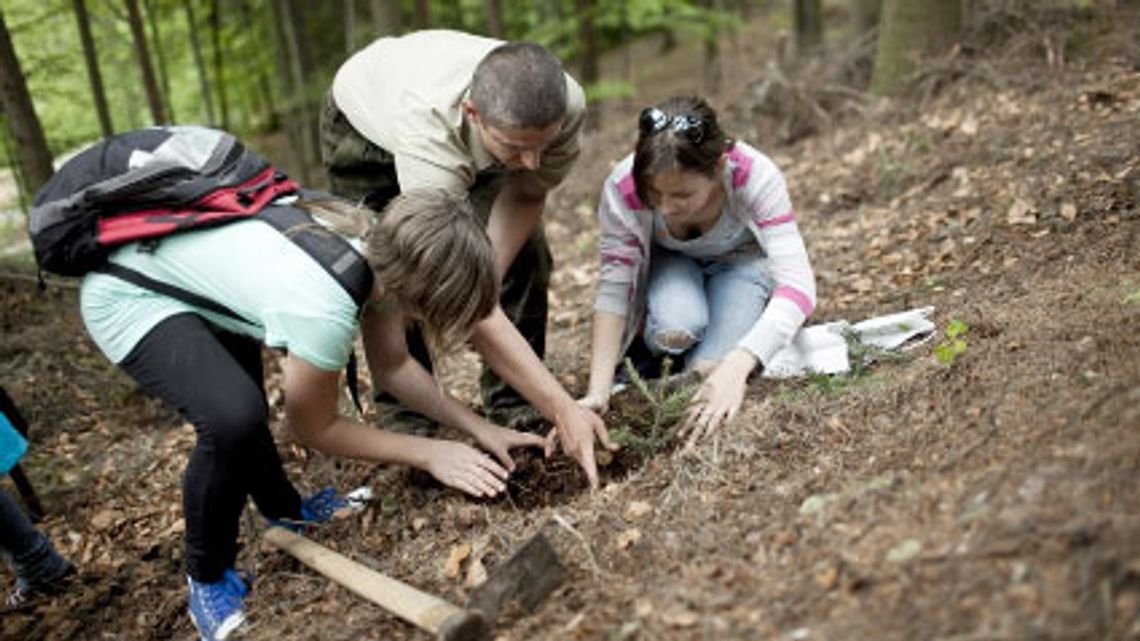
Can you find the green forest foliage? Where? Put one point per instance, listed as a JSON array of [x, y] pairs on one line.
[[248, 75]]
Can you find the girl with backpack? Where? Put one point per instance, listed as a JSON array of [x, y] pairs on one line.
[[701, 260], [432, 264]]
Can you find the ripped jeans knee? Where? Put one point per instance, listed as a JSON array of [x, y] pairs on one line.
[[672, 341]]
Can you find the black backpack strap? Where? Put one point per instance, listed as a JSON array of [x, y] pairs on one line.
[[337, 257], [332, 252], [173, 291]]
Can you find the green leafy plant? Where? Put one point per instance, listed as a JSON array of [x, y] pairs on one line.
[[954, 343], [1132, 298], [668, 400]]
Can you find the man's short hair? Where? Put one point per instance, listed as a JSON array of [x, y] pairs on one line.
[[519, 85]]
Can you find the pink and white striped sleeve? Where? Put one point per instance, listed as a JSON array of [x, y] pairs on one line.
[[622, 247], [765, 195]]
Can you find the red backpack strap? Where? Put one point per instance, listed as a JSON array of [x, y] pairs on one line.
[[250, 196]]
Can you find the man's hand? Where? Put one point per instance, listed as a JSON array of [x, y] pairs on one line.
[[719, 398], [576, 428]]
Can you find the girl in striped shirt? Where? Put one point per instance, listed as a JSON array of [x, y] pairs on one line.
[[701, 259]]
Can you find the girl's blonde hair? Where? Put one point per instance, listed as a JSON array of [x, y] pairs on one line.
[[431, 254]]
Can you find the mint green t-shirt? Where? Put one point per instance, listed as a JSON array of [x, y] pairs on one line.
[[247, 266]]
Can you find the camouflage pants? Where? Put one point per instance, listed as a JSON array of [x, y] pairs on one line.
[[363, 172]]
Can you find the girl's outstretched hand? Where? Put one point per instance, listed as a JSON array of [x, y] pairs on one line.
[[719, 398], [465, 468], [501, 440]]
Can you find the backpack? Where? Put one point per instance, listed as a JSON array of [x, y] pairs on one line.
[[142, 185]]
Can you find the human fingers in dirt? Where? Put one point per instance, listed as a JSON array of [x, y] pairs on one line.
[[719, 398], [465, 468], [575, 430], [499, 441]]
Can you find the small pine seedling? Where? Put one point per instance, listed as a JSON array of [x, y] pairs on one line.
[[668, 401]]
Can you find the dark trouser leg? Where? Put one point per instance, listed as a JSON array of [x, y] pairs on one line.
[[357, 169], [32, 557], [523, 299], [214, 380]]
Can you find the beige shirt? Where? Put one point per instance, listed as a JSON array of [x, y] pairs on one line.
[[405, 94]]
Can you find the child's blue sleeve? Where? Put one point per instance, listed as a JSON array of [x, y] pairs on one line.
[[12, 445]]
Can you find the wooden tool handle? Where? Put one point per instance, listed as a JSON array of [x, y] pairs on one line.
[[449, 622]]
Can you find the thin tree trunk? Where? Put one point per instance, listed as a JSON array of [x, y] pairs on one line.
[[98, 94], [265, 111], [349, 26], [219, 62], [386, 17], [199, 63], [142, 54], [160, 57], [626, 32], [299, 110], [712, 48], [588, 59], [809, 26], [865, 15], [911, 29], [423, 14], [495, 20], [33, 158]]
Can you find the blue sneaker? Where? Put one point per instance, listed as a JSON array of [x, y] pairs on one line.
[[315, 510], [216, 608]]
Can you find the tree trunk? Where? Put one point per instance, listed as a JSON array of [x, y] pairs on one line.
[[98, 93], [712, 71], [160, 56], [495, 20], [809, 26], [199, 63], [298, 118], [423, 14], [349, 13], [386, 17], [33, 158], [219, 62], [142, 54], [865, 15], [588, 59], [910, 29]]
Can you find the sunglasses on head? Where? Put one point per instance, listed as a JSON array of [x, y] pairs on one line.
[[653, 120]]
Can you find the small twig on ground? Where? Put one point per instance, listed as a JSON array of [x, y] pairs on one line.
[[585, 544]]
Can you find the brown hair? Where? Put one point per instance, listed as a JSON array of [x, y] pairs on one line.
[[431, 254], [519, 85], [698, 147]]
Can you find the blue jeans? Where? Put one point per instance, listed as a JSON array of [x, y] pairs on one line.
[[700, 307]]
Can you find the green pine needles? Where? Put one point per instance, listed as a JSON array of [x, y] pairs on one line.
[[666, 401]]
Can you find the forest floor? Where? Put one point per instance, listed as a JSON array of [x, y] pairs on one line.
[[994, 496]]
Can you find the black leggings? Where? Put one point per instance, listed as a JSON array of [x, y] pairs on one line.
[[214, 379]]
